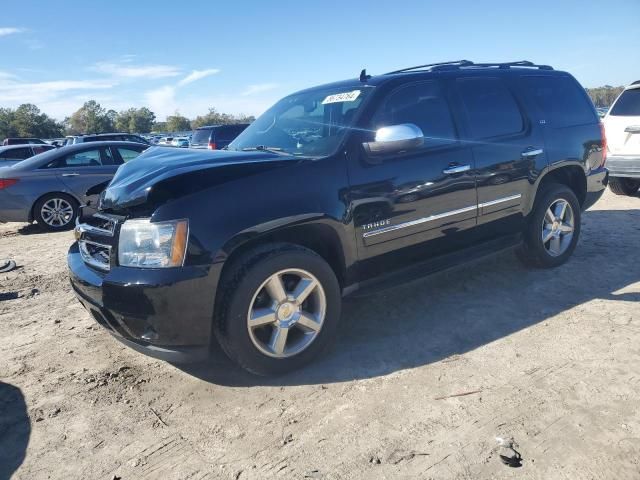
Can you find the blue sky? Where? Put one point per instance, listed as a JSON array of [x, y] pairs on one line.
[[241, 56]]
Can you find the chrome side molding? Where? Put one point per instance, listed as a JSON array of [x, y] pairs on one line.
[[439, 216], [412, 223]]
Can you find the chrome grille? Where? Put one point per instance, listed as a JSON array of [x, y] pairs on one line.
[[95, 254], [97, 239]]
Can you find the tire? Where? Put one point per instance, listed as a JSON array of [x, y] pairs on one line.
[[67, 208], [624, 186], [534, 251], [247, 287]]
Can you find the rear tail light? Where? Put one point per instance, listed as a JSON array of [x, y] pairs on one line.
[[604, 144], [212, 146], [7, 182]]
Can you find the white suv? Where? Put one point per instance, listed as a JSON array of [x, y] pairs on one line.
[[622, 125]]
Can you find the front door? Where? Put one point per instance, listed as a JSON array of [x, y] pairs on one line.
[[407, 199]]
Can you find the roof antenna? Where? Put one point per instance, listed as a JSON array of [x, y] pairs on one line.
[[363, 76]]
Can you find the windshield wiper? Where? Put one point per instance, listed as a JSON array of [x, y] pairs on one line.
[[262, 148]]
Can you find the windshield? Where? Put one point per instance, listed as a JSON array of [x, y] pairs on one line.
[[311, 123]]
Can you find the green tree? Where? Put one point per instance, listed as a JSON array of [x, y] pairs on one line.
[[213, 117], [604, 96], [177, 123], [159, 127], [28, 121], [91, 118], [142, 121]]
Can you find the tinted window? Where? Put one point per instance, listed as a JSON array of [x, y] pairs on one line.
[[87, 158], [41, 148], [201, 136], [491, 109], [423, 105], [228, 133], [562, 100], [628, 104], [128, 154], [134, 138], [16, 154]]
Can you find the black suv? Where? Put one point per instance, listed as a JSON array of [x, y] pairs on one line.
[[216, 137], [345, 187]]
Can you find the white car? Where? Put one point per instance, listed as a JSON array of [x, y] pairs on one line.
[[622, 126]]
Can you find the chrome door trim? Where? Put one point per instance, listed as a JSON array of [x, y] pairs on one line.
[[456, 169], [532, 153], [500, 200], [412, 223], [439, 216]]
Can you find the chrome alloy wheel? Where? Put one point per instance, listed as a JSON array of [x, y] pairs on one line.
[[286, 313], [557, 227], [56, 212]]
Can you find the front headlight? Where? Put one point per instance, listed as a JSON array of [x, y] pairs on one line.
[[152, 245]]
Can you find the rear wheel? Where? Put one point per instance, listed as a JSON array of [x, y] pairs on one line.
[[624, 186], [277, 309], [553, 228], [56, 211]]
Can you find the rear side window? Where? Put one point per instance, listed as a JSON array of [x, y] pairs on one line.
[[424, 105], [128, 154], [39, 149], [228, 133], [628, 105], [562, 101], [16, 154], [490, 107], [201, 136]]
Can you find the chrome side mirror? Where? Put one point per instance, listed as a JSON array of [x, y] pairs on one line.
[[395, 139]]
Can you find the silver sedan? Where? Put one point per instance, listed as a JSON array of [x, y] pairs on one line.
[[50, 187]]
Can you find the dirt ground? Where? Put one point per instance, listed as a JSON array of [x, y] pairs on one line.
[[550, 359]]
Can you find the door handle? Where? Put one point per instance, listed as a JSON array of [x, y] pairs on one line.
[[456, 169], [632, 129], [534, 152], [70, 174]]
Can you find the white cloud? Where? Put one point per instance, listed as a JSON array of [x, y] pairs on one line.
[[9, 31], [259, 88], [128, 70], [198, 75], [13, 91], [162, 101]]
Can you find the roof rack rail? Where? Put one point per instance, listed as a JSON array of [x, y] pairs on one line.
[[431, 65], [458, 64]]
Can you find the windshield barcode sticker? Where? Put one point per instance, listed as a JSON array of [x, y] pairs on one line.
[[342, 97]]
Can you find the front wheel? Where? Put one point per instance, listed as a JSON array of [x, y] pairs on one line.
[[56, 211], [553, 228], [624, 186], [277, 309]]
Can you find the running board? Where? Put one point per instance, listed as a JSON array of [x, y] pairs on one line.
[[431, 266]]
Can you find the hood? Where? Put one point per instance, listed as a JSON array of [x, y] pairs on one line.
[[161, 173]]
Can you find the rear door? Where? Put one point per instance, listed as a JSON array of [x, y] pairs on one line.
[[84, 169], [622, 124], [506, 146]]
